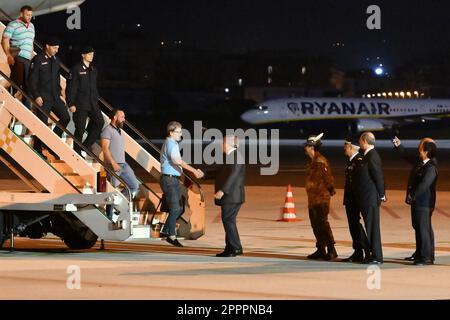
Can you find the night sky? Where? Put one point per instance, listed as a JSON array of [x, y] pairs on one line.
[[410, 29]]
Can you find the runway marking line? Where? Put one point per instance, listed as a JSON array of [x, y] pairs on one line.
[[334, 214], [391, 212], [442, 212]]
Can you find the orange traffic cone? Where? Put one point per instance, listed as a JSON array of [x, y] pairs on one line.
[[289, 207]]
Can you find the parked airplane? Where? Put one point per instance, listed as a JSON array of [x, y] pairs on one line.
[[40, 7], [361, 114]]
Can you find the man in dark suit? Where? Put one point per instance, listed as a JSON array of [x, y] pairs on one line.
[[421, 196], [230, 195], [415, 160], [370, 194], [357, 232]]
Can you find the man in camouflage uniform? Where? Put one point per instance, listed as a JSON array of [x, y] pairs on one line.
[[319, 188]]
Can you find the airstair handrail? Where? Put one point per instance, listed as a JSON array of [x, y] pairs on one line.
[[68, 133], [110, 107], [145, 139]]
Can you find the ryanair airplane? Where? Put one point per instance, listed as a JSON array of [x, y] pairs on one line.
[[360, 114]]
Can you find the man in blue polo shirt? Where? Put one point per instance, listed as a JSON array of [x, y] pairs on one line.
[[171, 169], [17, 42]]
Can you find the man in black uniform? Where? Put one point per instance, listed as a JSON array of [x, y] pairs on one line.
[[82, 99], [230, 195], [45, 88], [421, 196], [357, 232], [370, 194]]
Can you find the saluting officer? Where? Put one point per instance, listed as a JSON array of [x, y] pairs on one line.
[[45, 88], [82, 98], [357, 232], [421, 196]]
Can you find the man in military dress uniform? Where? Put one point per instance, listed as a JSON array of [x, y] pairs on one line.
[[357, 232]]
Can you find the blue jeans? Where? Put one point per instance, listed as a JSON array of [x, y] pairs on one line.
[[127, 174], [171, 187]]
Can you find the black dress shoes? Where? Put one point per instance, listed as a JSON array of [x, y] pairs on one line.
[[357, 256], [174, 242], [226, 254], [372, 260], [230, 253], [423, 262], [319, 254], [375, 261], [411, 258]]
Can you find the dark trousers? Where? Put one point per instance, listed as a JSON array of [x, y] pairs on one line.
[[318, 215], [94, 128], [371, 216], [60, 110], [357, 232], [19, 74], [171, 187], [229, 213], [421, 221]]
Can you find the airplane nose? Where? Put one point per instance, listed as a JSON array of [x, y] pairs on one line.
[[247, 116]]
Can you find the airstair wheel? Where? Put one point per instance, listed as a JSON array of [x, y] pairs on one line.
[[77, 241]]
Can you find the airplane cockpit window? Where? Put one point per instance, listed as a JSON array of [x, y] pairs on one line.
[[263, 109]]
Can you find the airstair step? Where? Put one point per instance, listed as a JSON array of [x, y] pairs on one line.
[[142, 232], [19, 128], [61, 166]]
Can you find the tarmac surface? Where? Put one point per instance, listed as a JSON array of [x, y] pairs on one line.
[[274, 264]]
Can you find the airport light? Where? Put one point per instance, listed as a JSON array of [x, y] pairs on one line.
[[379, 71]]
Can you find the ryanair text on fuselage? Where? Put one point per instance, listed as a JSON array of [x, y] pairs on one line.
[[339, 108]]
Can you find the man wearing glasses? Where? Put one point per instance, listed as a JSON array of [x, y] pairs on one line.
[[171, 169]]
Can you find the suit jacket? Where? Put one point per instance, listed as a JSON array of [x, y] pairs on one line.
[[417, 163], [422, 187], [370, 180], [44, 79], [82, 87], [230, 179], [350, 187]]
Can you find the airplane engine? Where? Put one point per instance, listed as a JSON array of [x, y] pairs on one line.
[[360, 125]]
